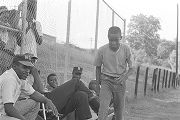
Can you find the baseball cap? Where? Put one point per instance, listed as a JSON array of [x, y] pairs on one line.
[[77, 70], [31, 56], [23, 59]]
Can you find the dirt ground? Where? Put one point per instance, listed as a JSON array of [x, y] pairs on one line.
[[162, 106]]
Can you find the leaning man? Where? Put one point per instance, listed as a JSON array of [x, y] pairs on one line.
[[12, 83], [111, 72]]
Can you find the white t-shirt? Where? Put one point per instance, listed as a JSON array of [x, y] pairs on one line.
[[29, 43], [11, 87]]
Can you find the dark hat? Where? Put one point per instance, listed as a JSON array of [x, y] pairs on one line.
[[31, 56], [77, 70], [23, 59]]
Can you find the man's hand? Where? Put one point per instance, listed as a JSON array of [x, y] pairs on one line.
[[34, 70], [122, 79], [52, 107], [98, 90]]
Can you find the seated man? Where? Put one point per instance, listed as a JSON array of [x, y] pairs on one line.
[[71, 96], [12, 83], [34, 80]]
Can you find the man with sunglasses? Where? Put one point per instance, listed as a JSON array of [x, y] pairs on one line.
[[111, 72], [71, 96]]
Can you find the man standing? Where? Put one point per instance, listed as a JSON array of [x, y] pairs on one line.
[[12, 83], [111, 72]]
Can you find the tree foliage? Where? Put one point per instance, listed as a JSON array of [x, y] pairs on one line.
[[143, 33], [165, 48]]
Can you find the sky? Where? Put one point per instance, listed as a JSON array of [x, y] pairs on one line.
[[53, 16]]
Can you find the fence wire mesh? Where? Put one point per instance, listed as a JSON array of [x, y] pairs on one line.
[[53, 18]]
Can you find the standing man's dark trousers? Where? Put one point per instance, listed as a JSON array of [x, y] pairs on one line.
[[73, 95]]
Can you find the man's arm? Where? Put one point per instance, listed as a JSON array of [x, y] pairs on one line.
[[98, 78], [125, 76], [98, 74], [40, 98], [12, 112], [37, 85]]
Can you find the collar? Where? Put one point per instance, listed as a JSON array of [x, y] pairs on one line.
[[15, 75]]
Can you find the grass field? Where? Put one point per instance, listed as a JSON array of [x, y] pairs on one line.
[[52, 59]]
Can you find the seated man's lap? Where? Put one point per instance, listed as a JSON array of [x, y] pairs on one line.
[[28, 108], [7, 118]]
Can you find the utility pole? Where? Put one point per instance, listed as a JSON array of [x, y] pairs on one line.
[[124, 34], [113, 18], [177, 44], [177, 41], [91, 40], [97, 24], [67, 41]]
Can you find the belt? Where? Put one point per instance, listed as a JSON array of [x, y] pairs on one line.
[[111, 77], [23, 99]]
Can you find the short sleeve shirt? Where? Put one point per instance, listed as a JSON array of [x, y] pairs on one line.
[[30, 80], [11, 87], [113, 63]]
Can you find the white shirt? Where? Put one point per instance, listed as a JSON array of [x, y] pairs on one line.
[[30, 80], [11, 87], [29, 43]]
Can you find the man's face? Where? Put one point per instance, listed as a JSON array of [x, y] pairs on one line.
[[22, 71], [114, 40], [53, 81], [77, 75], [94, 87]]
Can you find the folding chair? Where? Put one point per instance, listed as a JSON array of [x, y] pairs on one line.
[[44, 112]]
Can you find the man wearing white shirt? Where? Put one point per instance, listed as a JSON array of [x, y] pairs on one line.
[[12, 83]]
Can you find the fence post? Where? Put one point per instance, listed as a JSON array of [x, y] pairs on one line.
[[169, 84], [159, 77], [166, 78], [145, 82], [153, 79], [136, 84], [174, 76], [164, 74]]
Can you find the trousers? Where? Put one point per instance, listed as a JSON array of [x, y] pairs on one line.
[[28, 108], [73, 95], [115, 92]]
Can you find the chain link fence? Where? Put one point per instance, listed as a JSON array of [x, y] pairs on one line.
[[83, 30]]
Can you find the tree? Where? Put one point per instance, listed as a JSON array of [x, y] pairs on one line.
[[165, 48], [143, 33]]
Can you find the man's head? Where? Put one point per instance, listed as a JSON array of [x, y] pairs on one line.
[[4, 14], [77, 71], [114, 36], [52, 80], [93, 85], [22, 65]]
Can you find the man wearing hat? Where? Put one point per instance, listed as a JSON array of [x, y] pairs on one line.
[[12, 83], [71, 96]]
